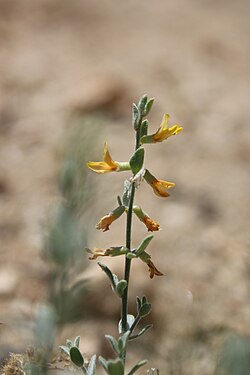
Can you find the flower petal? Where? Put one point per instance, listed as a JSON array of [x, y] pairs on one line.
[[153, 271], [99, 167], [107, 157], [105, 166], [108, 219]]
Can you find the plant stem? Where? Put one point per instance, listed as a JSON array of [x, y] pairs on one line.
[[128, 245], [127, 261]]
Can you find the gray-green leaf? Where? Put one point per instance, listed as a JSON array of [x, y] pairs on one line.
[[120, 287], [145, 309], [130, 321], [103, 362], [92, 365], [142, 103], [65, 349], [126, 193], [137, 366], [142, 331], [109, 273], [77, 341], [113, 342], [136, 161], [144, 128], [135, 116], [115, 367], [144, 244], [149, 106]]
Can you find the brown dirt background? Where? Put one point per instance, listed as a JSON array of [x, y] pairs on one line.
[[59, 59]]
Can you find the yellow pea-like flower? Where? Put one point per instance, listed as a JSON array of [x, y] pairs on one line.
[[108, 219], [108, 164], [160, 187], [105, 166], [164, 132]]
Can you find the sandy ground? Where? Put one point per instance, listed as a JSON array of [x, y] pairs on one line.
[[60, 60]]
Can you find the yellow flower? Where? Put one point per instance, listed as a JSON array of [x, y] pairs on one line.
[[105, 166], [108, 219], [152, 225], [153, 271], [108, 164], [160, 187], [97, 253], [163, 132]]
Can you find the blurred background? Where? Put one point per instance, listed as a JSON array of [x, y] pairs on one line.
[[69, 71]]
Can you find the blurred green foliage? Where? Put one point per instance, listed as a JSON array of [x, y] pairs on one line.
[[235, 357], [67, 234]]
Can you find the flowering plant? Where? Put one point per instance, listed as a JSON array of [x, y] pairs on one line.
[[126, 205]]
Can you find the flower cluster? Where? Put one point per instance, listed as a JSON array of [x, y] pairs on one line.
[[139, 173]]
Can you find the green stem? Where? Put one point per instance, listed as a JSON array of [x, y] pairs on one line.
[[128, 245], [127, 261]]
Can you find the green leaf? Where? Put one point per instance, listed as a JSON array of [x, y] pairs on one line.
[[145, 257], [126, 193], [65, 349], [149, 106], [143, 245], [130, 321], [69, 343], [120, 287], [144, 300], [103, 362], [110, 274], [136, 161], [137, 366], [144, 128], [141, 332], [145, 309], [113, 342], [77, 341], [119, 200], [122, 341], [115, 367], [92, 365], [135, 116], [76, 356], [138, 303], [117, 250], [142, 103]]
